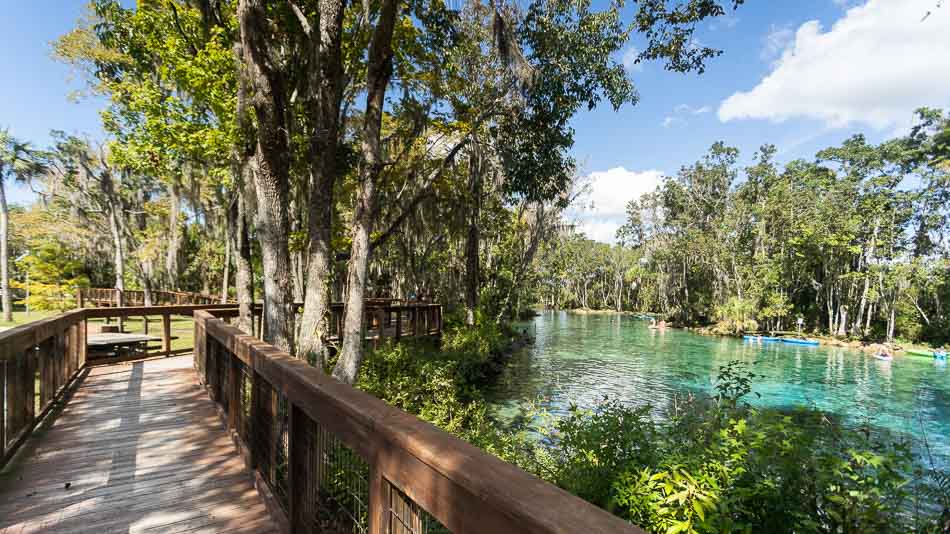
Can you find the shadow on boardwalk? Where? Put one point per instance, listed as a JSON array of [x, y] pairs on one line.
[[138, 448]]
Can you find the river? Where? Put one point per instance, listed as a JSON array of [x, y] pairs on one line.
[[581, 358]]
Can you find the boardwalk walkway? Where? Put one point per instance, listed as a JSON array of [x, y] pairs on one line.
[[138, 448]]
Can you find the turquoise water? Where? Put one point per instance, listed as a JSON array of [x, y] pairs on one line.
[[582, 358]]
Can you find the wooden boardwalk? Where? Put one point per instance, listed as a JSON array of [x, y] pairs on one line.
[[138, 448]]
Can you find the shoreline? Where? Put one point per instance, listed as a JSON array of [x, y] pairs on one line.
[[899, 349]]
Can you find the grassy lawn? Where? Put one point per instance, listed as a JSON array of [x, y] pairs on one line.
[[21, 317], [182, 327]]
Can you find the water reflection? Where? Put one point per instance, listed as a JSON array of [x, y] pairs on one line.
[[582, 358]]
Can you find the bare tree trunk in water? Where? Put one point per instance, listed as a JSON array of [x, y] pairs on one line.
[[267, 95], [324, 113], [5, 255], [377, 79]]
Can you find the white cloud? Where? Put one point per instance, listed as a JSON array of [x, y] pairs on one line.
[[630, 60], [601, 211], [687, 109], [603, 230], [875, 65], [670, 121], [776, 41]]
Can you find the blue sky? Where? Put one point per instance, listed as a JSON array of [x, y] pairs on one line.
[[801, 74]]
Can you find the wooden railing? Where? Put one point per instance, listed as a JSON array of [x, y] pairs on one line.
[[40, 359], [384, 318], [329, 457], [37, 362], [99, 297], [391, 320]]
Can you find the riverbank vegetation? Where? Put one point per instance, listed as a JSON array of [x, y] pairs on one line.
[[854, 242], [707, 464]]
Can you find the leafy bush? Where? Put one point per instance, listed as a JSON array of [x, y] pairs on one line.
[[718, 465], [52, 278]]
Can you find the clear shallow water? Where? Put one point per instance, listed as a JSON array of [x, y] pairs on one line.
[[581, 358]]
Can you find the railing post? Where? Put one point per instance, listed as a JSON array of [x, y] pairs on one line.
[[302, 476], [29, 385], [167, 334], [14, 393], [378, 499], [83, 338], [120, 301], [398, 323], [233, 390], [200, 351], [4, 408]]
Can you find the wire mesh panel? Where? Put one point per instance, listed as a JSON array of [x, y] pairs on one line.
[[407, 517], [223, 376], [242, 397], [337, 499], [268, 438]]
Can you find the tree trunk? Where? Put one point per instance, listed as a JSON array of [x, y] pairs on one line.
[[267, 95], [378, 74], [118, 244], [472, 239], [243, 274], [324, 113], [174, 235], [891, 321], [4, 254], [226, 275], [843, 321]]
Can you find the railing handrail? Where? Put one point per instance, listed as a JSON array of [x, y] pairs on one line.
[[461, 486], [111, 294]]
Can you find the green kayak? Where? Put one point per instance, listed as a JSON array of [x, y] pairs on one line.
[[919, 352]]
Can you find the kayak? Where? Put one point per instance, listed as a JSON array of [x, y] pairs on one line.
[[885, 357], [918, 352], [797, 341], [760, 338]]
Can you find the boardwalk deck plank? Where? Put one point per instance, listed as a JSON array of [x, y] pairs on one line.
[[143, 450]]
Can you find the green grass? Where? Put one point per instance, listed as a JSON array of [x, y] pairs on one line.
[[20, 317], [182, 327]]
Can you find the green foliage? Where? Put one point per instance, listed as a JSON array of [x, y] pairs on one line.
[[735, 316], [705, 465], [442, 386], [837, 241], [725, 467], [53, 275]]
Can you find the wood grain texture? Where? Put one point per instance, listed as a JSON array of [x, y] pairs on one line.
[[142, 449]]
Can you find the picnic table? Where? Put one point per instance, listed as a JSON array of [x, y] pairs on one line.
[[114, 344]]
